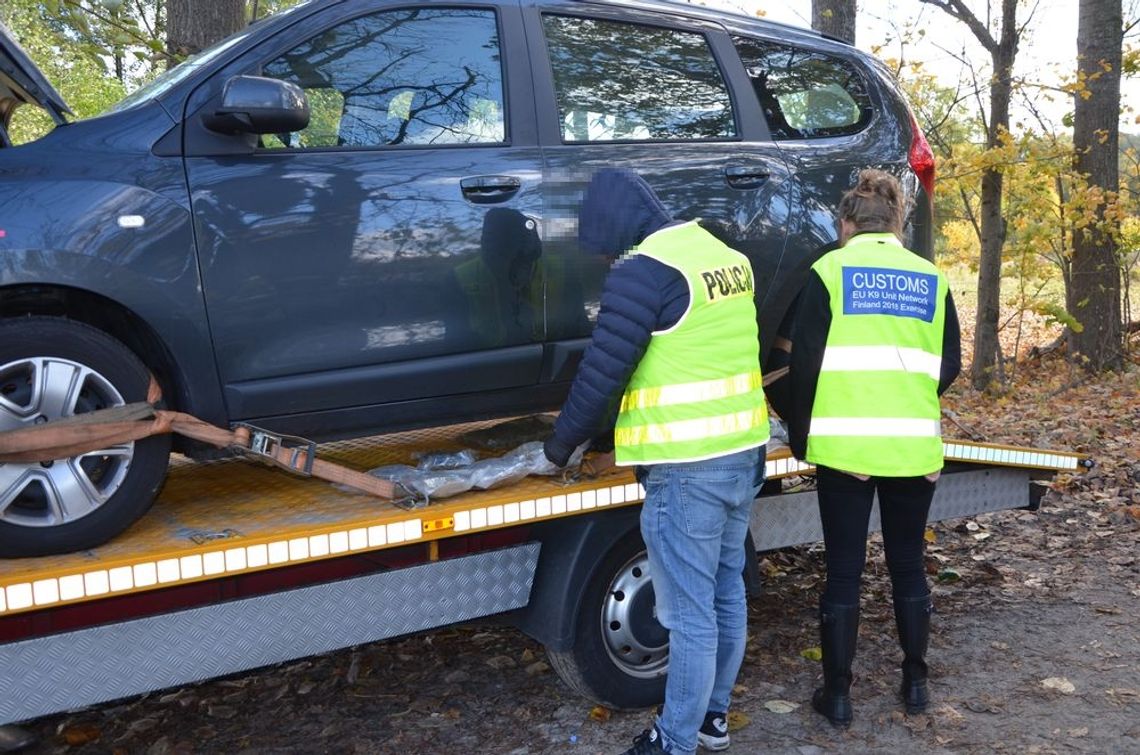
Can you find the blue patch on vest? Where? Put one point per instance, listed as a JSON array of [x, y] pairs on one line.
[[883, 291]]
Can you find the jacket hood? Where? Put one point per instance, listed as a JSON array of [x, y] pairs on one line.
[[22, 82], [618, 211]]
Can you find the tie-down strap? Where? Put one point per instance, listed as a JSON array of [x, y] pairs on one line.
[[83, 433]]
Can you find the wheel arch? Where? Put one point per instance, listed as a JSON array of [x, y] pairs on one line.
[[107, 315], [572, 550]]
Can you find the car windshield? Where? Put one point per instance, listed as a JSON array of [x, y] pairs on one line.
[[180, 72]]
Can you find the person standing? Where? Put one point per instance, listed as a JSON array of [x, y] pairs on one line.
[[875, 342], [675, 355]]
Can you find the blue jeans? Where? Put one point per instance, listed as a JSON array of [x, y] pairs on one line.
[[694, 522]]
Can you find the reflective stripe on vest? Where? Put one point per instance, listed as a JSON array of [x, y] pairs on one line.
[[876, 408], [881, 358], [704, 390], [877, 427], [690, 429], [697, 392]]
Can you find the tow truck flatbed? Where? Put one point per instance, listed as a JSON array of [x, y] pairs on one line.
[[225, 520]]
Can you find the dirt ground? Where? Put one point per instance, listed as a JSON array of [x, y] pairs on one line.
[[1034, 649]]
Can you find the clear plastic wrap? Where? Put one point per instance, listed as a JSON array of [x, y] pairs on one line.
[[427, 483]]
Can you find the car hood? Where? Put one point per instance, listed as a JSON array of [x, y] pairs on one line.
[[21, 81]]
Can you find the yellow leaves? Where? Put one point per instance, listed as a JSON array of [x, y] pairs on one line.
[[600, 714], [812, 653], [737, 720]]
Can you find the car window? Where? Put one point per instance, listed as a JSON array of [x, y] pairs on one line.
[[414, 76], [805, 94], [620, 81]]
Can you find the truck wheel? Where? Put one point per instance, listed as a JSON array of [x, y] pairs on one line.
[[620, 653], [51, 367]]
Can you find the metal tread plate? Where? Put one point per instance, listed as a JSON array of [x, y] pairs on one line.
[[75, 669]]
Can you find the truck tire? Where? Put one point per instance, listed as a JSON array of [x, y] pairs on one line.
[[620, 653], [51, 367]]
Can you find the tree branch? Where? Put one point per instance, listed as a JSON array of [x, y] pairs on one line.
[[957, 9]]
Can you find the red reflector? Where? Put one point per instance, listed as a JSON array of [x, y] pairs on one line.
[[921, 157]]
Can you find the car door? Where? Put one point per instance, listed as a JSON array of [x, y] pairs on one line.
[[385, 253], [668, 98]]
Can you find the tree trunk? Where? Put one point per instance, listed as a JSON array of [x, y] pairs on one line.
[[1096, 136], [1003, 51], [195, 24], [835, 18], [987, 347]]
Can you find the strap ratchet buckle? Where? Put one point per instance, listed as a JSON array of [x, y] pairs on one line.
[[289, 451]]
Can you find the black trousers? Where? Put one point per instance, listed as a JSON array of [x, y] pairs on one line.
[[845, 508]]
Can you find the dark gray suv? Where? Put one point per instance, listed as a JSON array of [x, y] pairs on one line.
[[359, 216]]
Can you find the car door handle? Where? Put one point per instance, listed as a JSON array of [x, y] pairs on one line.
[[745, 178], [489, 189]]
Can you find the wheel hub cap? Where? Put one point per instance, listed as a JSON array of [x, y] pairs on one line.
[[39, 389], [634, 639]]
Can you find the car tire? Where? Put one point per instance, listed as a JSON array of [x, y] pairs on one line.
[[620, 653], [77, 503]]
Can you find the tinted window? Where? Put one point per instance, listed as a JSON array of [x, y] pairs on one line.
[[805, 94], [426, 76], [625, 81]]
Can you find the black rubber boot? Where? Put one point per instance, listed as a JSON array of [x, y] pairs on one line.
[[912, 617], [838, 631]]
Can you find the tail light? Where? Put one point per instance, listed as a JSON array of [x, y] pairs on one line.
[[921, 157]]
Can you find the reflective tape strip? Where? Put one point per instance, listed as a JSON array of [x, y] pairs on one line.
[[881, 358], [149, 573], [1055, 460], [496, 515], [690, 429], [691, 393], [876, 427]]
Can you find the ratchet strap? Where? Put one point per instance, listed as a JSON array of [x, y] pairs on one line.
[[83, 433]]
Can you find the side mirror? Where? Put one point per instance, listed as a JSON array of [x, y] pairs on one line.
[[259, 105]]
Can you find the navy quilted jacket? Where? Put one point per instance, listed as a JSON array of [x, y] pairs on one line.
[[640, 295]]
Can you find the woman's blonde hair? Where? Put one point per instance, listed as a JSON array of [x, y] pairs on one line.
[[874, 204]]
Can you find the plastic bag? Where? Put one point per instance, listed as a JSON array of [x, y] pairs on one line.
[[445, 459], [426, 484]]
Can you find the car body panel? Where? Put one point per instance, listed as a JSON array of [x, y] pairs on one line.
[[84, 208]]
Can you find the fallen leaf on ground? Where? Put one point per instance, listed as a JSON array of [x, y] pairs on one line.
[[737, 720], [780, 706], [81, 734], [812, 654], [1081, 732], [600, 713], [949, 713], [949, 575], [1059, 683]]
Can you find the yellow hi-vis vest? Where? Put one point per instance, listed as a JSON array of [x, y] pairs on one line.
[[876, 409], [697, 392]]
